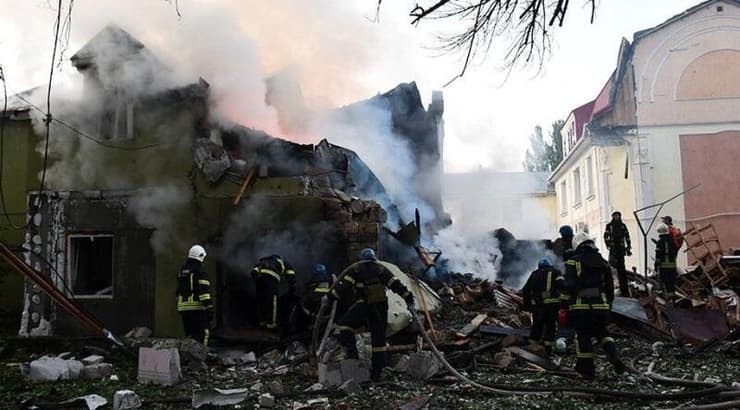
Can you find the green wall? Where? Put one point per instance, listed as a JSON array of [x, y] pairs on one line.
[[20, 165]]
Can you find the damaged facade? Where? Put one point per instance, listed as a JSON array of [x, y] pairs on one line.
[[666, 120], [144, 172]]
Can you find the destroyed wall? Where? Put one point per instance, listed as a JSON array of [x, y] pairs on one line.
[[393, 133], [88, 244], [300, 201]]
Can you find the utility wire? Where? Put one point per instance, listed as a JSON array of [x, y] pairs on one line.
[[47, 120], [88, 136]]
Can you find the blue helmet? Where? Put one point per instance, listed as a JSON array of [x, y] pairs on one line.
[[544, 263], [566, 231], [368, 254], [319, 273]]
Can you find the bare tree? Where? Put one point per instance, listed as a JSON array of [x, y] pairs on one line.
[[523, 25]]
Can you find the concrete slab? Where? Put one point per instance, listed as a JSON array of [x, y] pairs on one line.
[[159, 366]]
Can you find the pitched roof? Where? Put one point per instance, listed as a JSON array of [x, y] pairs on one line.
[[642, 33], [126, 45], [582, 115]]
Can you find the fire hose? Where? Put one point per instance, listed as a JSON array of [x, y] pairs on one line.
[[505, 389]]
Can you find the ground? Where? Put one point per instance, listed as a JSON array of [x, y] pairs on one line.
[[397, 389]]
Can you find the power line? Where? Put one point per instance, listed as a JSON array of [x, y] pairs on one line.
[[88, 136], [47, 120]]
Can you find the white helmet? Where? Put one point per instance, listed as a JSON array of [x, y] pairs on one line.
[[662, 229], [197, 252], [580, 238]]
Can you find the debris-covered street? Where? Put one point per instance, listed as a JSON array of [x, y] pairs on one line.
[[334, 204]]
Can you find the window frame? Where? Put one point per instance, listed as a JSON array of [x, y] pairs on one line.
[[577, 192], [68, 264], [590, 186], [563, 197]]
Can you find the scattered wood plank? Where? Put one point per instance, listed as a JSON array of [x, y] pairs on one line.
[[532, 358], [472, 326], [243, 188]]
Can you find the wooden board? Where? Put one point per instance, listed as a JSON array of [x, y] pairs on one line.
[[472, 326]]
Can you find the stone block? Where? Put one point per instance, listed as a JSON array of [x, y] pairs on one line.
[[330, 374], [97, 371], [358, 370], [423, 365], [159, 366], [267, 400], [49, 369], [126, 400], [276, 387], [92, 359], [503, 359]]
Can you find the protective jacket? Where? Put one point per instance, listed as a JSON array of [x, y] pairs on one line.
[[666, 252], [276, 267], [311, 302], [193, 287], [589, 283], [366, 283], [543, 287], [616, 236]]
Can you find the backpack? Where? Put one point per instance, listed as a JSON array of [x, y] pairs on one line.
[[676, 235]]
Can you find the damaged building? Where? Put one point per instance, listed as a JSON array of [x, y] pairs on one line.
[[138, 171]]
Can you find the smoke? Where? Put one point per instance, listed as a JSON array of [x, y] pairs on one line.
[[476, 253], [368, 130], [156, 208], [263, 227]]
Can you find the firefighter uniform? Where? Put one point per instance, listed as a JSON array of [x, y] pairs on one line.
[[617, 240], [194, 300], [588, 291], [542, 297], [366, 284], [665, 264], [304, 314], [268, 274]]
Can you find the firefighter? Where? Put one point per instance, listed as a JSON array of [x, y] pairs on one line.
[[665, 261], [674, 231], [366, 284], [617, 240], [304, 313], [193, 296], [542, 297], [563, 246], [269, 274], [588, 292]]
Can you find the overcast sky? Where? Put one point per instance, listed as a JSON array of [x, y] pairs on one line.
[[341, 56]]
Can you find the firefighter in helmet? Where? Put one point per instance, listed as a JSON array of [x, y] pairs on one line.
[[588, 292], [194, 297], [364, 286], [542, 298]]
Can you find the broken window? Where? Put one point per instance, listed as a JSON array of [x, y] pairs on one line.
[[116, 119], [90, 265]]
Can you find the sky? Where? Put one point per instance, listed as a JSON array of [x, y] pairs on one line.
[[340, 54]]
